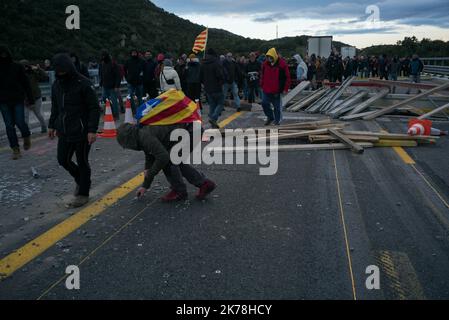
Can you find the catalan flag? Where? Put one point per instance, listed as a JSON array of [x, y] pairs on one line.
[[201, 41], [171, 107]]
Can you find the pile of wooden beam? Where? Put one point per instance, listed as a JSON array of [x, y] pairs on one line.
[[324, 135], [357, 105]]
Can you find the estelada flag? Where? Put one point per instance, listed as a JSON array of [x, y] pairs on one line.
[[171, 107], [200, 41]]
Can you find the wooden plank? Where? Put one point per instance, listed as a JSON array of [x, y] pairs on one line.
[[329, 104], [433, 112], [308, 100], [293, 93], [321, 101], [365, 105], [423, 86], [291, 147], [344, 139], [298, 134], [396, 143], [389, 136], [381, 112], [342, 108], [356, 138]]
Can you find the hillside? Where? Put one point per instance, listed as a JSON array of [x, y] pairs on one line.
[[410, 45], [36, 29]]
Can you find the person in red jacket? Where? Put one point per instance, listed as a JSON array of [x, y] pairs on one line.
[[275, 79]]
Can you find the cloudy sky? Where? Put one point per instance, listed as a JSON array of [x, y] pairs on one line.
[[361, 23]]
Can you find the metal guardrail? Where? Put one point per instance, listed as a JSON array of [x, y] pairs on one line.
[[436, 66], [438, 70]]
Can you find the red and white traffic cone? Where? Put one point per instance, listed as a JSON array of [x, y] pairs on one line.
[[418, 127], [109, 129], [129, 113]]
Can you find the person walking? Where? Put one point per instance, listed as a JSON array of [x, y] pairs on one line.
[[212, 78], [416, 67], [231, 74], [275, 79], [35, 75], [134, 76], [149, 80], [193, 78], [253, 69], [15, 91], [109, 74], [74, 118]]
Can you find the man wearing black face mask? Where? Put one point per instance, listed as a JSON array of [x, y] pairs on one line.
[[74, 118], [14, 86]]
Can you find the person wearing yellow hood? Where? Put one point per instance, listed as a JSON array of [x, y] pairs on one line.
[[275, 79]]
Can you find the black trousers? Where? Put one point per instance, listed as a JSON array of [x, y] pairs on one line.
[[80, 170]]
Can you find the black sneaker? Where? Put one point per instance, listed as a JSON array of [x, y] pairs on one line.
[[268, 122], [239, 109]]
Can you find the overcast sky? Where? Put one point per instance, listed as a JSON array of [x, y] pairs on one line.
[[350, 21]]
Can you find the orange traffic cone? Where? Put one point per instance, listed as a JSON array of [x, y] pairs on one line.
[[109, 130], [418, 127], [129, 113]]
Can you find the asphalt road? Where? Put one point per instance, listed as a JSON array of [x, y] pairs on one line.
[[308, 232]]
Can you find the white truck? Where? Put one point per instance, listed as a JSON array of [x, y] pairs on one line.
[[348, 52], [320, 46]]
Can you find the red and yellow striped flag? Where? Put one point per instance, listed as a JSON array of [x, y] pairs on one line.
[[169, 108], [200, 41]]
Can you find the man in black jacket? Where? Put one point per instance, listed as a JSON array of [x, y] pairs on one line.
[[74, 118], [231, 75], [14, 86], [253, 69], [134, 76], [109, 74], [211, 75], [149, 79]]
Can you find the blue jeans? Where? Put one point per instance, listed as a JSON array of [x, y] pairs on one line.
[[135, 91], [216, 104], [235, 92], [275, 100], [14, 116], [110, 93]]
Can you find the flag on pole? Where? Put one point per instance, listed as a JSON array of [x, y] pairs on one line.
[[169, 108], [201, 42]]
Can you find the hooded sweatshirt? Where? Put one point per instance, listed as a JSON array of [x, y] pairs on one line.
[[275, 77], [169, 78], [301, 70], [14, 84], [75, 111]]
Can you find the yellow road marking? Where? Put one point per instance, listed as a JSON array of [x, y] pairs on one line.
[[404, 155], [401, 275], [228, 120], [34, 248], [97, 248], [342, 214]]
